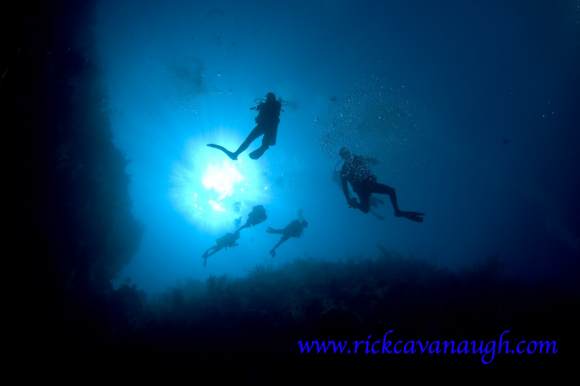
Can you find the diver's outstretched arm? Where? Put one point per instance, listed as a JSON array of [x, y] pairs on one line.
[[246, 225]]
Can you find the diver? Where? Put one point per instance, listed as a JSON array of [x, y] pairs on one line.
[[266, 124], [355, 171], [294, 229], [229, 240], [256, 216]]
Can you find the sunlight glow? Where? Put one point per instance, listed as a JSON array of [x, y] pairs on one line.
[[222, 178], [213, 191]]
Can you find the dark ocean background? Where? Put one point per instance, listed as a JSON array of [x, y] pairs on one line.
[[471, 109]]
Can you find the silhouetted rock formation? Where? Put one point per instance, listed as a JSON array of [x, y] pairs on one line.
[[75, 230]]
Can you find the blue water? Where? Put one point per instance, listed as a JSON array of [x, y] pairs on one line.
[[468, 107]]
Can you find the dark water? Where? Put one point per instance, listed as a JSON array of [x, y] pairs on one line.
[[470, 109]]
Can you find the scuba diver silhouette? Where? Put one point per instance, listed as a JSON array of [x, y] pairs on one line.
[[256, 216], [266, 124], [294, 229], [355, 171], [229, 240]]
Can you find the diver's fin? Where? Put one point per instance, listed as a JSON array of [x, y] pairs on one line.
[[413, 216], [258, 152], [230, 154]]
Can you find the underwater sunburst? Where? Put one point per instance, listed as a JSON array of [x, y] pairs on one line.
[[213, 191]]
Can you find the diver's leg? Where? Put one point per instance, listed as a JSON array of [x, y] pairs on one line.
[[364, 197], [282, 240], [255, 133], [389, 191], [208, 253], [211, 251], [262, 149], [385, 189]]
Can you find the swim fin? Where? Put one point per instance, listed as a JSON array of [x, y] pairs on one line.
[[258, 152], [230, 154], [413, 216]]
